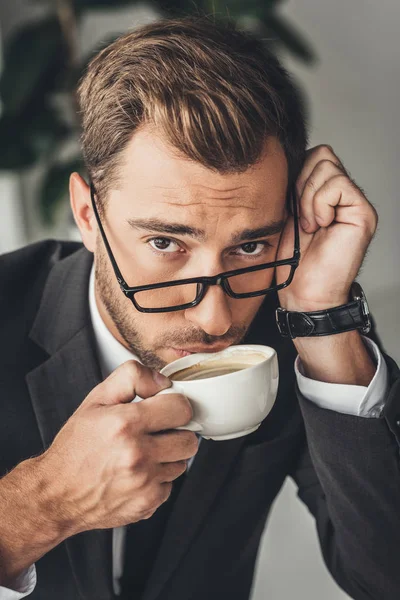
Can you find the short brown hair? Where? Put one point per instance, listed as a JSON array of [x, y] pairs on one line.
[[215, 93]]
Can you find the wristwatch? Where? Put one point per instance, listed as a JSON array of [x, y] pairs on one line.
[[354, 315]]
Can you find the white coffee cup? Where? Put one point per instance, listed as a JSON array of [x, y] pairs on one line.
[[231, 405]]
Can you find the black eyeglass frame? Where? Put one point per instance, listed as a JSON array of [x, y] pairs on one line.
[[203, 283]]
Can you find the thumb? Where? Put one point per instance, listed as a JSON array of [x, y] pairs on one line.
[[128, 380]]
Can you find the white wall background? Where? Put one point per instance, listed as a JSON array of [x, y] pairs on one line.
[[354, 94]]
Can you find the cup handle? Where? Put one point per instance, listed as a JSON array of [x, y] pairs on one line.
[[192, 425]]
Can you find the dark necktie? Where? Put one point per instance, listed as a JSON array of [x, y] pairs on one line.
[[142, 543]]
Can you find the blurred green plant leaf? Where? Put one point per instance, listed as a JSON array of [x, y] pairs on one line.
[[218, 7], [15, 152], [54, 188], [33, 59], [73, 76], [272, 24], [101, 4], [30, 136], [45, 130], [241, 7], [174, 8], [278, 26]]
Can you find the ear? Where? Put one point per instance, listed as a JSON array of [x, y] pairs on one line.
[[81, 205]]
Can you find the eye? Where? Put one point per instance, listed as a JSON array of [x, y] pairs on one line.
[[253, 248], [163, 245]]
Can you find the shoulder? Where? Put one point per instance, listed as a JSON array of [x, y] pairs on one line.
[[23, 272], [35, 256]]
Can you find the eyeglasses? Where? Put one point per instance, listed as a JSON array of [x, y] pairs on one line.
[[180, 294]]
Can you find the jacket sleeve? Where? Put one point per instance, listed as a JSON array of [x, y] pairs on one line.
[[349, 478]]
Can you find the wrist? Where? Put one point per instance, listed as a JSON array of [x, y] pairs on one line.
[[342, 358], [29, 526], [52, 501], [293, 304]]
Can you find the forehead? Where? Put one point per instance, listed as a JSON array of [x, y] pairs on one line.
[[154, 179]]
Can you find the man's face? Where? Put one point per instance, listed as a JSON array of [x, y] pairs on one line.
[[159, 186]]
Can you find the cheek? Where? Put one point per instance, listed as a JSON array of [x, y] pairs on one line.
[[152, 327], [243, 311]]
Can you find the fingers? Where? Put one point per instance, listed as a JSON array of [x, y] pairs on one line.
[[341, 200], [171, 471], [325, 188], [314, 156], [174, 446], [321, 163], [314, 214], [164, 412], [127, 381]]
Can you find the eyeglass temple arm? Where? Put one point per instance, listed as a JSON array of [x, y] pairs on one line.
[[295, 222], [117, 272]]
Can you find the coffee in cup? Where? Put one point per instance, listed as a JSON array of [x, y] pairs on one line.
[[218, 366], [231, 392]]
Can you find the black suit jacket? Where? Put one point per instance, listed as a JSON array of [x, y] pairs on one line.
[[346, 468]]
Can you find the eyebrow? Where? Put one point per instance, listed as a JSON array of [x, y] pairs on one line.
[[260, 232], [158, 226]]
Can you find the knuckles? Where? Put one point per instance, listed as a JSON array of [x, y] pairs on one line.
[[180, 404], [148, 503], [311, 184], [135, 414], [146, 506], [324, 150], [375, 218], [328, 163], [120, 423], [186, 409], [132, 369], [370, 223], [190, 441], [345, 179], [135, 458], [126, 420]]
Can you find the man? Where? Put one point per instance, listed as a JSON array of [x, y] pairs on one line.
[[195, 146]]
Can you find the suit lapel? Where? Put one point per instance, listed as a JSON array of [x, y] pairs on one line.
[[58, 386]]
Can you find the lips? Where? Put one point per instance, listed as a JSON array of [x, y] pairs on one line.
[[201, 349]]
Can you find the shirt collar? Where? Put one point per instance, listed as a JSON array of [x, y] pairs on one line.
[[110, 351]]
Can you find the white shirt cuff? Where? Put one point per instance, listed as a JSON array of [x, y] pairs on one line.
[[355, 400], [22, 587]]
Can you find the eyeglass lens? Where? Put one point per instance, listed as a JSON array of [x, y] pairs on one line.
[[169, 297]]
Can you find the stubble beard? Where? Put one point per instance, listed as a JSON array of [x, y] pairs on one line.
[[113, 302]]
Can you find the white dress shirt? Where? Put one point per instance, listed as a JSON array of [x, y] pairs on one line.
[[351, 399]]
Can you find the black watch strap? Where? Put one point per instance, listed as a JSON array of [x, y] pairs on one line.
[[354, 315]]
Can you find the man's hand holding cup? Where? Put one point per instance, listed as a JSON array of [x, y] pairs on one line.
[[114, 461]]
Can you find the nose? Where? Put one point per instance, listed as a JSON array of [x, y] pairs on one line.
[[213, 314]]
